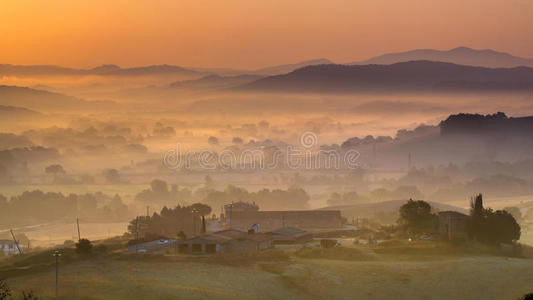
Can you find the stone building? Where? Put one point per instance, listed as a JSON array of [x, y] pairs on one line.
[[289, 236], [155, 247], [225, 241], [452, 225], [270, 220]]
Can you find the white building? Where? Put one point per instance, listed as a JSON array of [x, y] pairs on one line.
[[8, 247]]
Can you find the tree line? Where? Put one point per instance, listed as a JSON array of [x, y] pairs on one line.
[[32, 207], [483, 225]]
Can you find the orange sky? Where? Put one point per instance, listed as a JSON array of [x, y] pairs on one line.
[[252, 33]]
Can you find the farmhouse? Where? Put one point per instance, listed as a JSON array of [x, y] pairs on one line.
[[226, 241], [155, 247], [452, 225], [289, 235], [269, 220]]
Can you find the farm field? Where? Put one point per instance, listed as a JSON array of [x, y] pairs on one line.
[[430, 277]]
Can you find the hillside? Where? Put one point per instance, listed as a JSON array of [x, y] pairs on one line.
[[282, 69], [17, 112], [405, 76], [460, 55], [45, 101]]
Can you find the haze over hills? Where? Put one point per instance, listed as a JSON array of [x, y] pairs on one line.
[[460, 55], [266, 71], [405, 76], [46, 101], [282, 69], [114, 70], [366, 210], [103, 70], [215, 82], [18, 114]]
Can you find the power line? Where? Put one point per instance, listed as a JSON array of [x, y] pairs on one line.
[[15, 240]]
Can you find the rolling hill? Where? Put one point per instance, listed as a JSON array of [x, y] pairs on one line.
[[211, 82], [266, 71], [282, 69], [405, 76], [45, 101]]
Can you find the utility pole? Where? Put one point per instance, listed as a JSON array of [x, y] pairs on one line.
[[231, 215], [78, 223], [57, 254], [147, 211], [15, 240], [194, 222], [136, 233]]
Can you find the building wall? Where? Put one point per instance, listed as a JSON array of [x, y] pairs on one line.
[[453, 226], [269, 220], [233, 246], [8, 248]]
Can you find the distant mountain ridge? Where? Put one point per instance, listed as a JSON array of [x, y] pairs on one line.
[[282, 69], [103, 70], [405, 76], [266, 71], [114, 70], [215, 82], [18, 111], [460, 55]]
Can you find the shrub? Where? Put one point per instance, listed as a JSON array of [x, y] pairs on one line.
[[528, 296], [5, 291], [84, 246], [29, 296], [325, 243]]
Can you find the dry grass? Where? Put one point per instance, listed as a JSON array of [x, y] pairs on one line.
[[337, 273]]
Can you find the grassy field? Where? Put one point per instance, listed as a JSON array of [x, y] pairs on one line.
[[346, 277], [51, 234]]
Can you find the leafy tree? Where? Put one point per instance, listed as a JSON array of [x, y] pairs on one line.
[[204, 229], [416, 217], [212, 140], [237, 140], [29, 296], [112, 176], [181, 235], [528, 296], [5, 291], [159, 187], [84, 246], [477, 222], [502, 227], [54, 170], [169, 222], [515, 212], [202, 209], [491, 227]]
